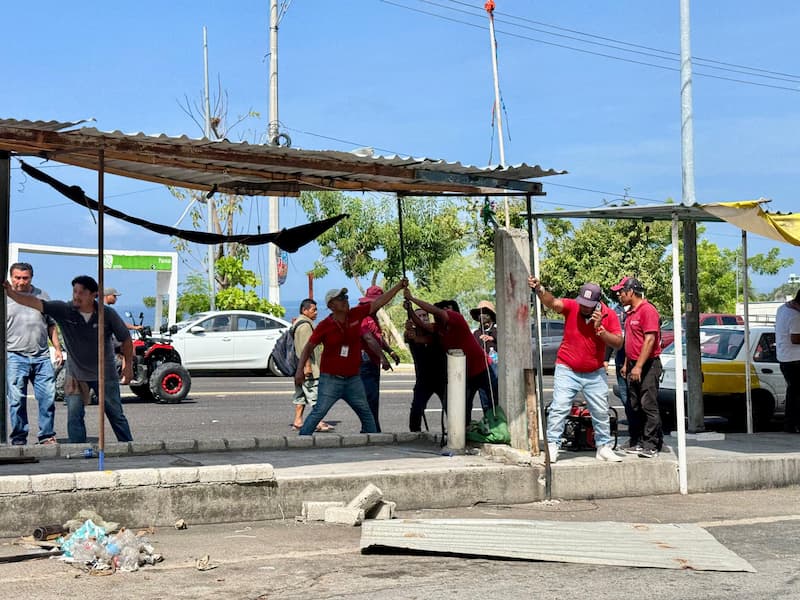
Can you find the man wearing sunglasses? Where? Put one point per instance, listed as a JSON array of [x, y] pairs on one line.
[[340, 336]]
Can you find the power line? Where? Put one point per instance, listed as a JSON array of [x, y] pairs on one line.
[[632, 45], [584, 51]]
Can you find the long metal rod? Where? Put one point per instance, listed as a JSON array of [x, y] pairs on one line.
[[101, 313], [5, 218], [212, 287], [680, 413], [497, 106], [748, 356], [400, 232]]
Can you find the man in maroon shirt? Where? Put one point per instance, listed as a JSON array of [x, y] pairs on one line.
[[453, 332], [642, 367], [340, 336], [589, 326]]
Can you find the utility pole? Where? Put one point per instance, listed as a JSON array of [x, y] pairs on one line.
[[489, 6], [273, 140], [212, 287], [694, 380]]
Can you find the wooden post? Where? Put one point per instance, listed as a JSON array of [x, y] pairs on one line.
[[515, 353], [532, 408]]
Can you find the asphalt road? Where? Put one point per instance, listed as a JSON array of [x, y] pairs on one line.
[[291, 560], [251, 406]]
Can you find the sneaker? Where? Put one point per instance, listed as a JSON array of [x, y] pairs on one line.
[[632, 449], [648, 453], [19, 443], [607, 454], [48, 441], [553, 452]]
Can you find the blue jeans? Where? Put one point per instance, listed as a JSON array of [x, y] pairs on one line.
[[37, 370], [371, 378], [76, 427], [566, 385], [333, 387]]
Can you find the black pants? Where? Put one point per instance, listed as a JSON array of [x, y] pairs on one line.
[[643, 397], [791, 373], [486, 383]]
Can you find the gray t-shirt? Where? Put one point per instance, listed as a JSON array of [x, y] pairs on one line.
[[80, 337], [26, 328]]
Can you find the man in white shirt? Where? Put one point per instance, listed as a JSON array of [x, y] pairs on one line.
[[787, 346]]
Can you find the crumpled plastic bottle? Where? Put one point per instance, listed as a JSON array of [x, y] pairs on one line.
[[128, 559]]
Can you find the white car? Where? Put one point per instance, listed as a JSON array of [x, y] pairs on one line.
[[722, 354], [227, 340]]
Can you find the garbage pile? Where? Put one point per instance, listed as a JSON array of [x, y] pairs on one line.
[[94, 547]]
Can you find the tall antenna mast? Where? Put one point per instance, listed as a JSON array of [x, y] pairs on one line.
[[489, 6]]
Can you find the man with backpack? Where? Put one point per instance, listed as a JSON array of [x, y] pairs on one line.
[[305, 394]]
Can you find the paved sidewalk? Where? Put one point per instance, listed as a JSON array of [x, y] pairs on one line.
[[221, 481]]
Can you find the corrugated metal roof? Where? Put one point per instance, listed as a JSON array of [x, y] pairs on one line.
[[251, 169], [644, 212], [666, 546]]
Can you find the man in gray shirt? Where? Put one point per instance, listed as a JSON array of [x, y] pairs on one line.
[[78, 321], [28, 360]]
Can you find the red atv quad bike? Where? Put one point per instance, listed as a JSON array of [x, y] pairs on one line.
[[157, 370]]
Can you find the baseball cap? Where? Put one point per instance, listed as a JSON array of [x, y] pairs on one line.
[[372, 292], [589, 295], [628, 283], [111, 292], [331, 294]]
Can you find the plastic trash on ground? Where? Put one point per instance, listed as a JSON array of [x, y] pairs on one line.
[[90, 546]]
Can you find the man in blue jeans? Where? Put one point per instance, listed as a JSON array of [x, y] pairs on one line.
[[340, 336], [78, 321], [589, 326], [28, 360]]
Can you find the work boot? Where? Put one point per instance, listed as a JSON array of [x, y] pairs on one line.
[[607, 454]]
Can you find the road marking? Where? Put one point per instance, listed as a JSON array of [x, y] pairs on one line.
[[750, 521]]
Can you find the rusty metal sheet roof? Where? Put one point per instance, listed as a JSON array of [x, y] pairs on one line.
[[252, 169]]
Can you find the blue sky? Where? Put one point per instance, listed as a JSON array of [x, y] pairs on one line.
[[383, 74]]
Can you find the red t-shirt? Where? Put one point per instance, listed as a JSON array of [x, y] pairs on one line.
[[582, 350], [641, 320], [457, 334], [370, 326], [341, 342]]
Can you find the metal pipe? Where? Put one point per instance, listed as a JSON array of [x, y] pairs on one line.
[[209, 198], [747, 356], [498, 110], [400, 233], [101, 316], [5, 213], [680, 413]]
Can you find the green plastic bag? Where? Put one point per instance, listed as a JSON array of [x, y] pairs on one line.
[[491, 429]]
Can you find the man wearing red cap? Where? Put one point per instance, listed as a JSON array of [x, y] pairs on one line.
[[642, 367], [340, 336], [372, 355], [589, 326]]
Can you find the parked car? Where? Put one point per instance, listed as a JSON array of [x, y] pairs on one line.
[[552, 334], [227, 340], [706, 319], [723, 352]]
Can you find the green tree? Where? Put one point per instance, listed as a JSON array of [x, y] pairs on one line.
[[366, 245], [602, 251]]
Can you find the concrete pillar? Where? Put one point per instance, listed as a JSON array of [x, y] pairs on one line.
[[515, 354], [456, 400]]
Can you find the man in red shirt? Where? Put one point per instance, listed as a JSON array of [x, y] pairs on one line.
[[642, 367], [589, 326], [453, 332], [340, 336]]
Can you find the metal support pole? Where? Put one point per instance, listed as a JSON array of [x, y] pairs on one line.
[[101, 313], [212, 287], [748, 356], [273, 135], [5, 218], [400, 232], [678, 366]]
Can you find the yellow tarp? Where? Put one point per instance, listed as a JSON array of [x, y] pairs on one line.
[[749, 215]]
